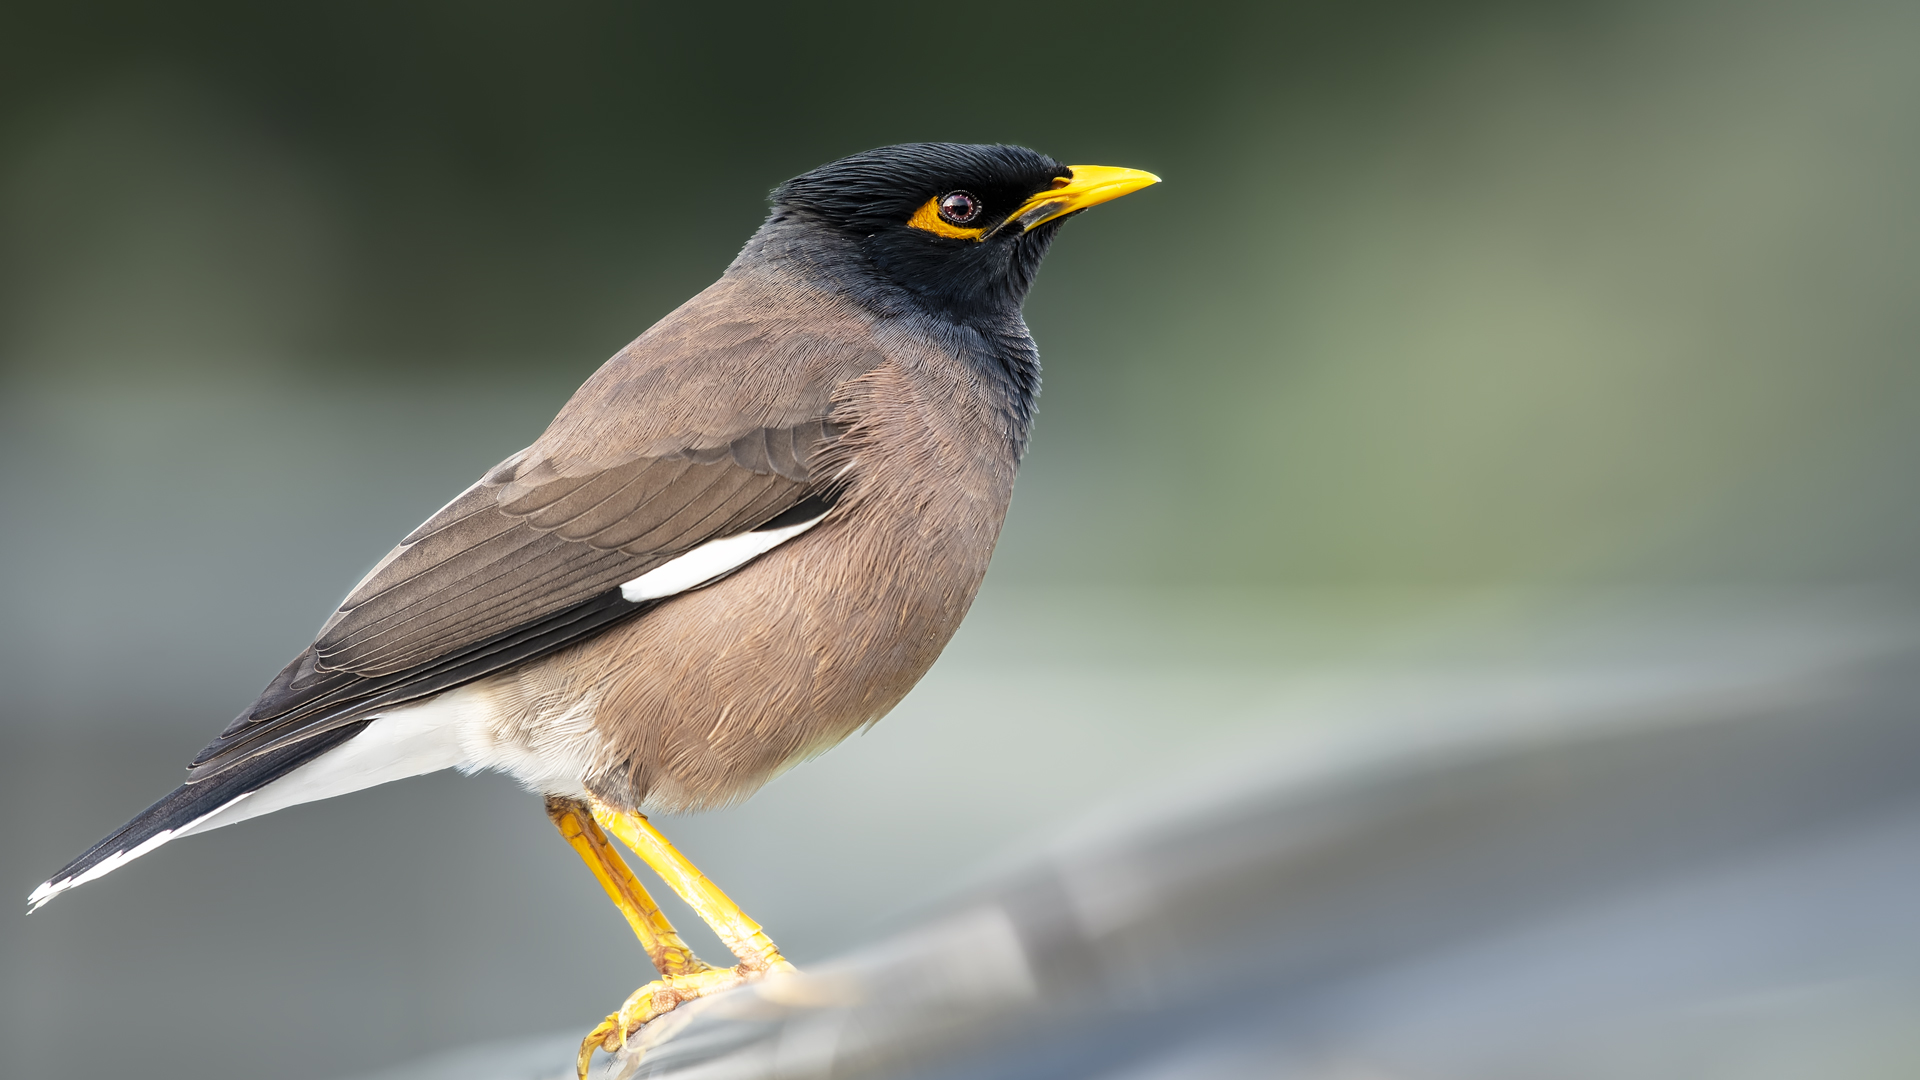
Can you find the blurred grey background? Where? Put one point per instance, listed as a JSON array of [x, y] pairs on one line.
[[1551, 351]]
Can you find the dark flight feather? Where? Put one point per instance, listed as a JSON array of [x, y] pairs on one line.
[[190, 802]]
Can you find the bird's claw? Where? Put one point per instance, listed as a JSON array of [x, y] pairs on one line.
[[662, 996]]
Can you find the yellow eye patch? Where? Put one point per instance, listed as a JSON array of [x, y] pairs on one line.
[[928, 219]]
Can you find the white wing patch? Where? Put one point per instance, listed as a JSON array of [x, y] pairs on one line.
[[709, 561]]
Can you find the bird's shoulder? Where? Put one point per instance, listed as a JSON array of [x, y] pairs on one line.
[[714, 420], [755, 350]]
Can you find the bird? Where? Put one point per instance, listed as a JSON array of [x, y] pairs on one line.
[[745, 537]]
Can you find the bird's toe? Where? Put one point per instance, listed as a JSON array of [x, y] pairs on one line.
[[662, 996]]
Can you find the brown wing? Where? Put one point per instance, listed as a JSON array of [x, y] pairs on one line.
[[523, 562], [531, 558], [528, 541]]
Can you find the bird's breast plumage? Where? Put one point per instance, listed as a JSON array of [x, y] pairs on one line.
[[702, 700]]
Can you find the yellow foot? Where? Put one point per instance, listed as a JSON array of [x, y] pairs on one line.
[[662, 996]]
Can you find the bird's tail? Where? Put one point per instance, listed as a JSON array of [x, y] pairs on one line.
[[184, 808]]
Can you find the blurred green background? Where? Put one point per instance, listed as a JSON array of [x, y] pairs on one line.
[[1448, 316]]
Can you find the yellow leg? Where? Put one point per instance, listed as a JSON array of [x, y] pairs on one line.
[[739, 933], [669, 954], [683, 976]]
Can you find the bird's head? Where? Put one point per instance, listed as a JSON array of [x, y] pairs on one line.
[[962, 227]]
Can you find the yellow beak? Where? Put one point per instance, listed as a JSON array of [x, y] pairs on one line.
[[1091, 185]]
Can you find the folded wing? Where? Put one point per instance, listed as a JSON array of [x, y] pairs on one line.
[[528, 560]]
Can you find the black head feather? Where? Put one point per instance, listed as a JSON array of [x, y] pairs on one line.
[[869, 197]]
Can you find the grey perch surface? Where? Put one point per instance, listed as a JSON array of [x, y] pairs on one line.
[[1721, 884]]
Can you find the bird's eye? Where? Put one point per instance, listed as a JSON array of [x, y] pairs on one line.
[[959, 207]]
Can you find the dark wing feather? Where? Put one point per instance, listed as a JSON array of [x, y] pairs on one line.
[[524, 562]]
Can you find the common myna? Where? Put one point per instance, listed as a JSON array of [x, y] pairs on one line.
[[744, 538]]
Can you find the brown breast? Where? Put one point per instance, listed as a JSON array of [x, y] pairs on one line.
[[699, 702]]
